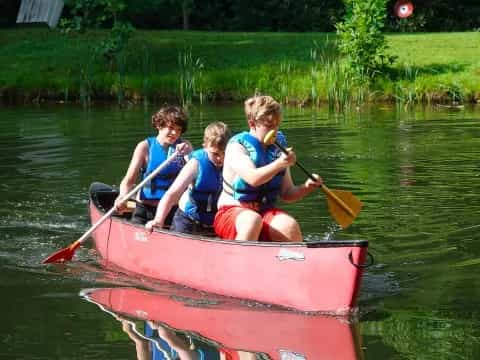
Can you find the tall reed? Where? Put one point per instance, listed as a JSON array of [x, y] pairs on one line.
[[121, 61], [190, 77], [286, 72], [360, 89], [406, 95], [338, 83], [67, 84], [314, 75], [146, 75], [86, 84]]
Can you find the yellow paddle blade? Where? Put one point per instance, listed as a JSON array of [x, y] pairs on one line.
[[343, 206]]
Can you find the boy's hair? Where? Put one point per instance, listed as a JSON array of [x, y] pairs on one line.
[[170, 115], [258, 107], [216, 134]]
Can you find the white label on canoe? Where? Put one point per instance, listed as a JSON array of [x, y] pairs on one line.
[[141, 313], [285, 254], [290, 355], [140, 236]]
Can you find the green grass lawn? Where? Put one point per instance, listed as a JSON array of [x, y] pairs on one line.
[[39, 63]]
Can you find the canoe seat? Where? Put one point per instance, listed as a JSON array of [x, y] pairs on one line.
[[104, 199]]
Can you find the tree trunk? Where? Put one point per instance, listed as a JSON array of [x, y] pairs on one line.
[[185, 13]]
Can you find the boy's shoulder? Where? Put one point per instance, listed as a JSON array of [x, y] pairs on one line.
[[238, 135], [199, 152]]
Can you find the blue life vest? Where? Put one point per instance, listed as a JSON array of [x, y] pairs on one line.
[[267, 193], [155, 188], [203, 195], [161, 349]]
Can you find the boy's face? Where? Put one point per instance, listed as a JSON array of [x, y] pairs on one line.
[[268, 123], [170, 133], [215, 155]]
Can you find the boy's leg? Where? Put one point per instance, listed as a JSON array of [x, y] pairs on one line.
[[182, 223], [248, 225], [237, 223], [278, 226], [141, 214], [171, 214]]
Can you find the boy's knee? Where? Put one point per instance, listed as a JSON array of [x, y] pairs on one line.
[[285, 227], [249, 218], [282, 219]]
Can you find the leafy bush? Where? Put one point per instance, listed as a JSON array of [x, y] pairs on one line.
[[361, 40]]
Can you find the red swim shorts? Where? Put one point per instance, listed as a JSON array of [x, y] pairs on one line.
[[229, 354], [224, 223]]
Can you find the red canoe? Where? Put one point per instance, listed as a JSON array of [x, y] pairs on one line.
[[231, 325], [315, 276]]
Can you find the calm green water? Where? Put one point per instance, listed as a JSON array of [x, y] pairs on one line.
[[417, 173]]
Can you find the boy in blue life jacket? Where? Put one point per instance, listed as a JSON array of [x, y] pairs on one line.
[[170, 122], [255, 176], [197, 187]]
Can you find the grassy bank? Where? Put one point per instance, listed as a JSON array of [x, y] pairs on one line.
[[37, 64]]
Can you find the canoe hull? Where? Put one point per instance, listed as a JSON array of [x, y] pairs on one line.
[[308, 277]]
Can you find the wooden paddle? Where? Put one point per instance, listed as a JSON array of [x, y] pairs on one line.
[[67, 253], [342, 205]]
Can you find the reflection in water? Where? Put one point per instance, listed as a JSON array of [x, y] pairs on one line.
[[189, 325], [159, 343]]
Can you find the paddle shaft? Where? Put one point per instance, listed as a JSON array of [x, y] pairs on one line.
[[130, 194], [325, 189]]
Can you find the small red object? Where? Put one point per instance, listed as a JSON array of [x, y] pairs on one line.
[[403, 8]]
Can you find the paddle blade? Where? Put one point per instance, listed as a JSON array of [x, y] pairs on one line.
[[62, 255], [341, 215], [270, 137]]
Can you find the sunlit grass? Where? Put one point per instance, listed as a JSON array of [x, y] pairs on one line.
[[301, 68]]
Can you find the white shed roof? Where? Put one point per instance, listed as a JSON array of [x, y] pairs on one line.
[[38, 11]]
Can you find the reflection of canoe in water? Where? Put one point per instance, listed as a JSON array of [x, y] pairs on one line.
[[233, 325], [314, 276]]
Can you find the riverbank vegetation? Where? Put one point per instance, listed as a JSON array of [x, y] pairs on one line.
[[302, 68]]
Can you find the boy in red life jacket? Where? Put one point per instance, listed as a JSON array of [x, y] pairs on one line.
[[255, 175], [170, 122]]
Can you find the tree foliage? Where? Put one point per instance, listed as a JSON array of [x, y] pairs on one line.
[[250, 15], [235, 15], [361, 40], [85, 14]]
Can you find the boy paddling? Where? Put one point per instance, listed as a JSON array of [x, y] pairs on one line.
[[255, 176], [170, 122]]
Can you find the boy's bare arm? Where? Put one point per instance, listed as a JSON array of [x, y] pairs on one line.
[[136, 163], [173, 194], [237, 158], [289, 192]]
